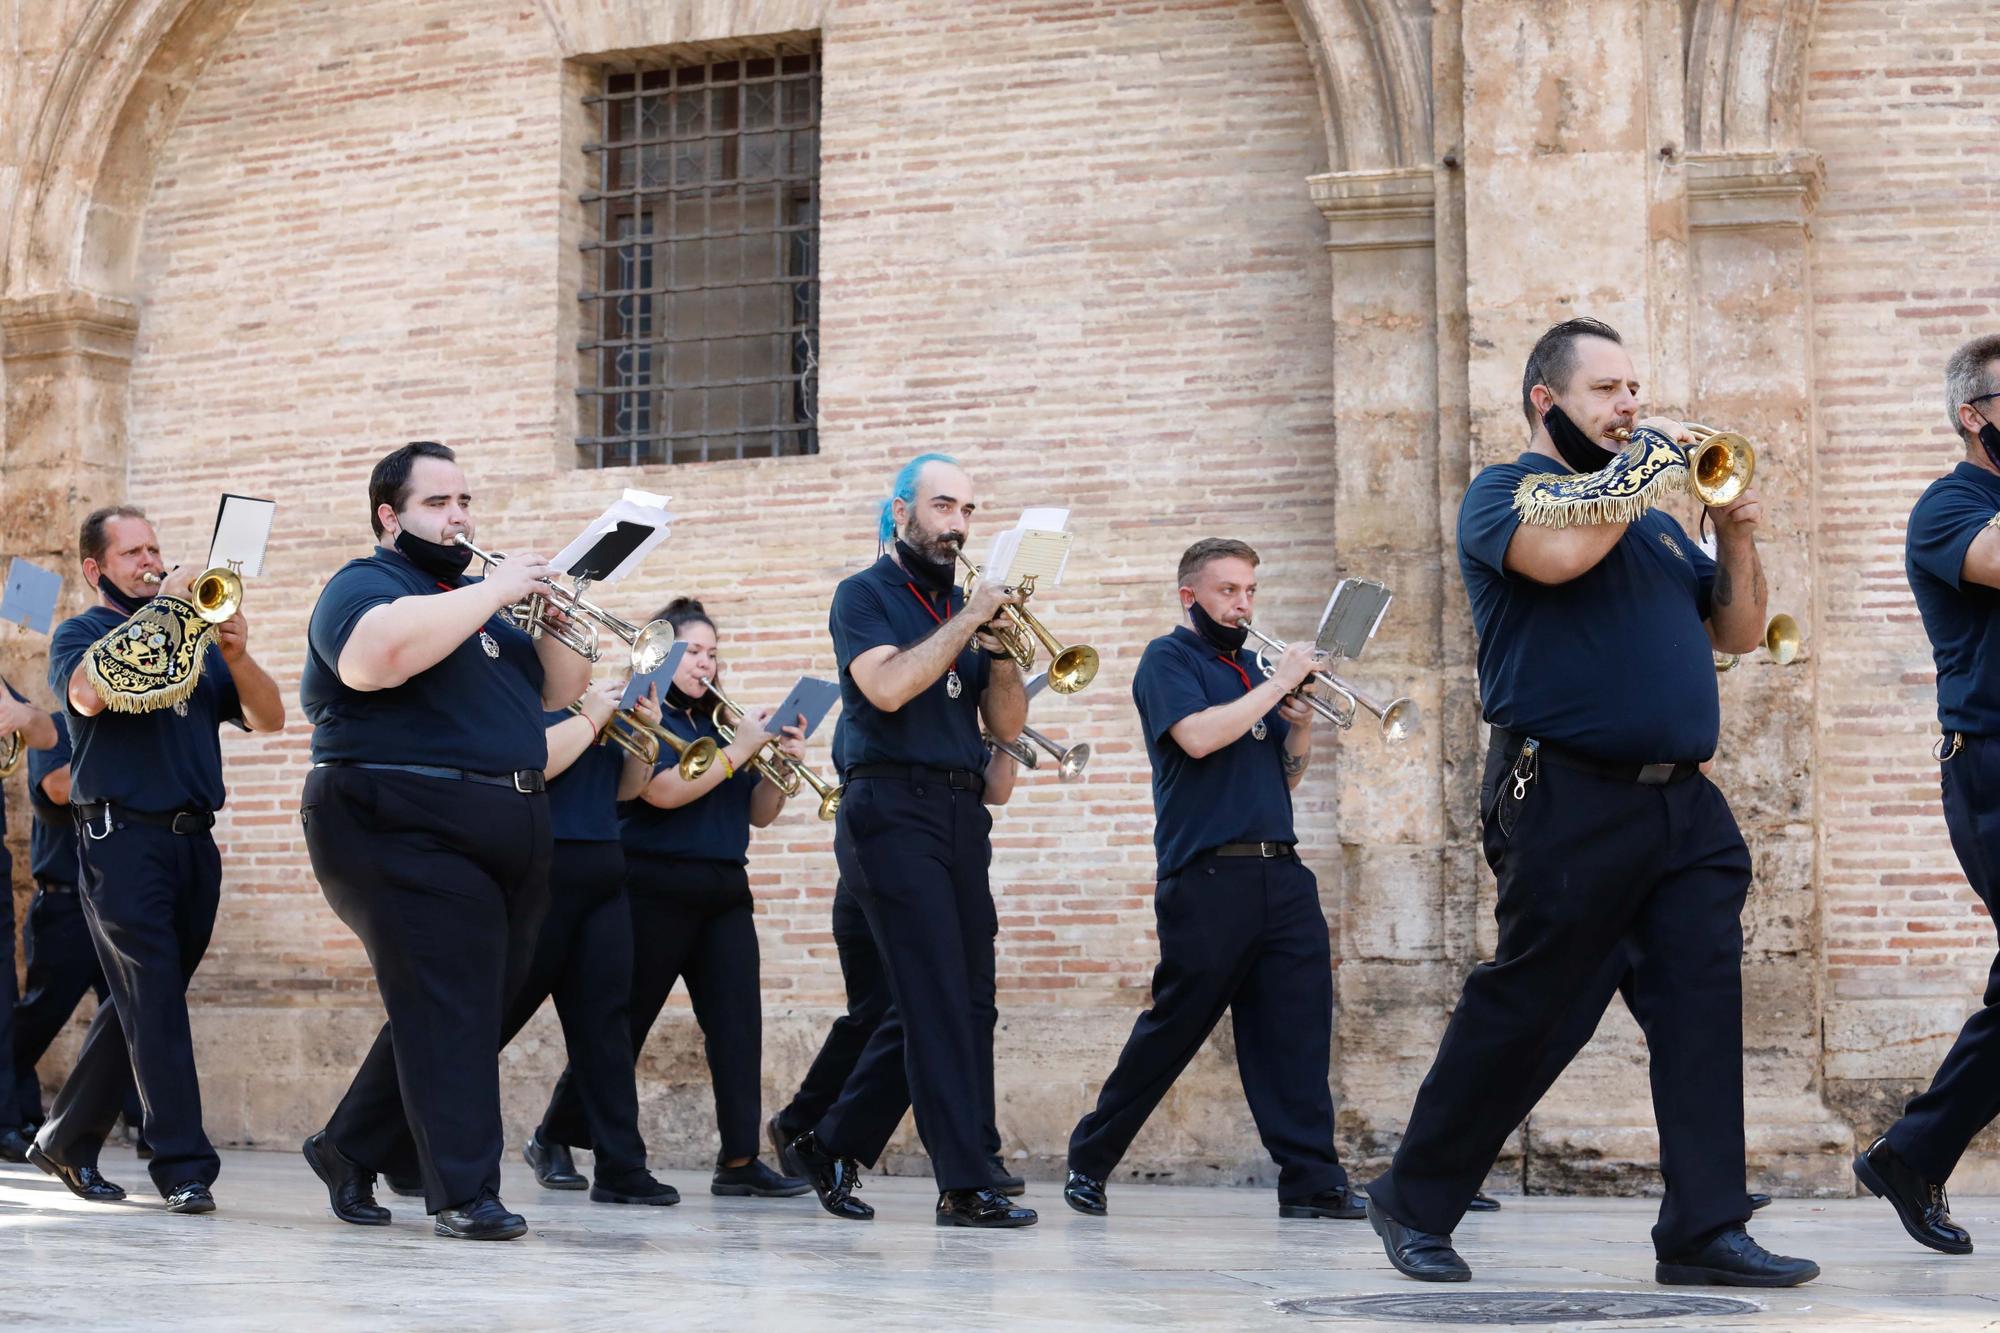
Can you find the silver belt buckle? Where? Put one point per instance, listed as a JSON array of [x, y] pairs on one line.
[[1656, 775], [1270, 851]]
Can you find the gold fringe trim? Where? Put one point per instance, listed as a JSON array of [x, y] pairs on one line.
[[1535, 506], [129, 685]]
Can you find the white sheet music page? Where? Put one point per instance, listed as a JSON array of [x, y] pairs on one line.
[[1037, 547], [634, 507]]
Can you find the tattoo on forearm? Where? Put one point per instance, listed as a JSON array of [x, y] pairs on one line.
[[1724, 592], [1295, 764]]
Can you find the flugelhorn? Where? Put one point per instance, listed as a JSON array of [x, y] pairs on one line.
[[216, 594], [1070, 668], [650, 643], [787, 772], [1400, 717], [1720, 464]]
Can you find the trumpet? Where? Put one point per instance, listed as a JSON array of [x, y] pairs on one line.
[[1719, 466], [216, 594], [1070, 759], [1782, 640], [1400, 717], [628, 731], [788, 772], [650, 643], [12, 751], [1070, 669]]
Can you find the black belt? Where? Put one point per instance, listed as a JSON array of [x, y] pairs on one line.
[[1268, 851], [958, 779], [1650, 775], [527, 780], [179, 821]]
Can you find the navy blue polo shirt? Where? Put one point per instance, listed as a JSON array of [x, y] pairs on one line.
[[883, 605], [712, 827], [52, 840], [167, 760], [1236, 794], [1963, 619], [583, 798], [1615, 663], [478, 709]]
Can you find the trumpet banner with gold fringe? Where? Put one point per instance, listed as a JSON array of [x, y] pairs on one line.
[[152, 660], [1632, 483]]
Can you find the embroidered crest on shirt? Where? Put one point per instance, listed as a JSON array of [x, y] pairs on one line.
[[1667, 540]]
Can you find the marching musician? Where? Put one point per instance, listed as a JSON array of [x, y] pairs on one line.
[[686, 847], [427, 822], [147, 684], [1239, 918], [1952, 558], [21, 724], [1596, 617], [920, 667]]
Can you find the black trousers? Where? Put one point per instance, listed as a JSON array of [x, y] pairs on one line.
[[10, 1095], [62, 968], [916, 855], [445, 883], [150, 896], [692, 920], [1583, 862], [1964, 1094], [867, 987], [1246, 936]]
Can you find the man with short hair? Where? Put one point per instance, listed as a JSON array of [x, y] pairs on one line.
[[1238, 913], [1952, 559], [1596, 633], [145, 783]]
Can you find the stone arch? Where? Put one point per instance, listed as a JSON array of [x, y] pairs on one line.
[[1746, 74], [1371, 64]]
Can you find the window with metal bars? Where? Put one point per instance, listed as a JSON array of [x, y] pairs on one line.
[[701, 298]]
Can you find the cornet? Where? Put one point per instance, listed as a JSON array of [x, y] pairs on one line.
[[216, 594], [787, 772], [650, 643], [1400, 717], [1720, 464], [1070, 669]]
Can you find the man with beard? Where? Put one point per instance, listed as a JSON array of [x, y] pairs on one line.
[[1239, 919], [1596, 623], [428, 827], [919, 670], [144, 789], [1952, 557]]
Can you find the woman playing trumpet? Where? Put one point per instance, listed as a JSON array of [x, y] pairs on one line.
[[686, 845]]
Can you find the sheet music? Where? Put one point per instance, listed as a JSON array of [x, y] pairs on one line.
[[1037, 547], [242, 531], [641, 507]]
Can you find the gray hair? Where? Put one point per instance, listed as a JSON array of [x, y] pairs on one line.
[[1968, 376]]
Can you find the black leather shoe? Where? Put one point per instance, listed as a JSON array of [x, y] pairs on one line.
[[410, 1187], [1336, 1203], [14, 1145], [1732, 1259], [1757, 1201], [1423, 1255], [754, 1180], [982, 1208], [1920, 1205], [192, 1197], [781, 1136], [1086, 1194], [834, 1179], [350, 1186], [1006, 1181], [85, 1182], [638, 1188], [554, 1168], [485, 1218], [1482, 1202]]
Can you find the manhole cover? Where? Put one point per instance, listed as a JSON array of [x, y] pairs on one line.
[[1520, 1307]]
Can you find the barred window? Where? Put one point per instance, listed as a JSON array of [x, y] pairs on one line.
[[701, 300]]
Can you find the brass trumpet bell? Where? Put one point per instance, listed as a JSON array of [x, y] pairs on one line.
[[1071, 760], [1720, 464], [12, 751], [1070, 668], [1783, 638], [1401, 718], [779, 768], [217, 594]]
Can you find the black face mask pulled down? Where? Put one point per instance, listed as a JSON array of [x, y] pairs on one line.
[[928, 573], [681, 701], [119, 598], [444, 563], [1582, 453], [1989, 435], [1227, 638]]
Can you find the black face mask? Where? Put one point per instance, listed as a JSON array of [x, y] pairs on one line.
[[444, 563], [1989, 435], [926, 571], [1582, 453], [1228, 638], [681, 701], [119, 598]]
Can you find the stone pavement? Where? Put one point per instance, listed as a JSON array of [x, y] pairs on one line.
[[1168, 1257]]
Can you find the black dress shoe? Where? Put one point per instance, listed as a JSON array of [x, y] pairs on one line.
[[1006, 1181], [350, 1186], [982, 1208], [1337, 1203], [1423, 1255], [554, 1168], [1085, 1194], [640, 1187], [781, 1136], [14, 1145], [754, 1180], [834, 1179], [85, 1182], [1758, 1201], [485, 1218], [1731, 1259], [1920, 1205], [410, 1187], [191, 1197], [1482, 1202]]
